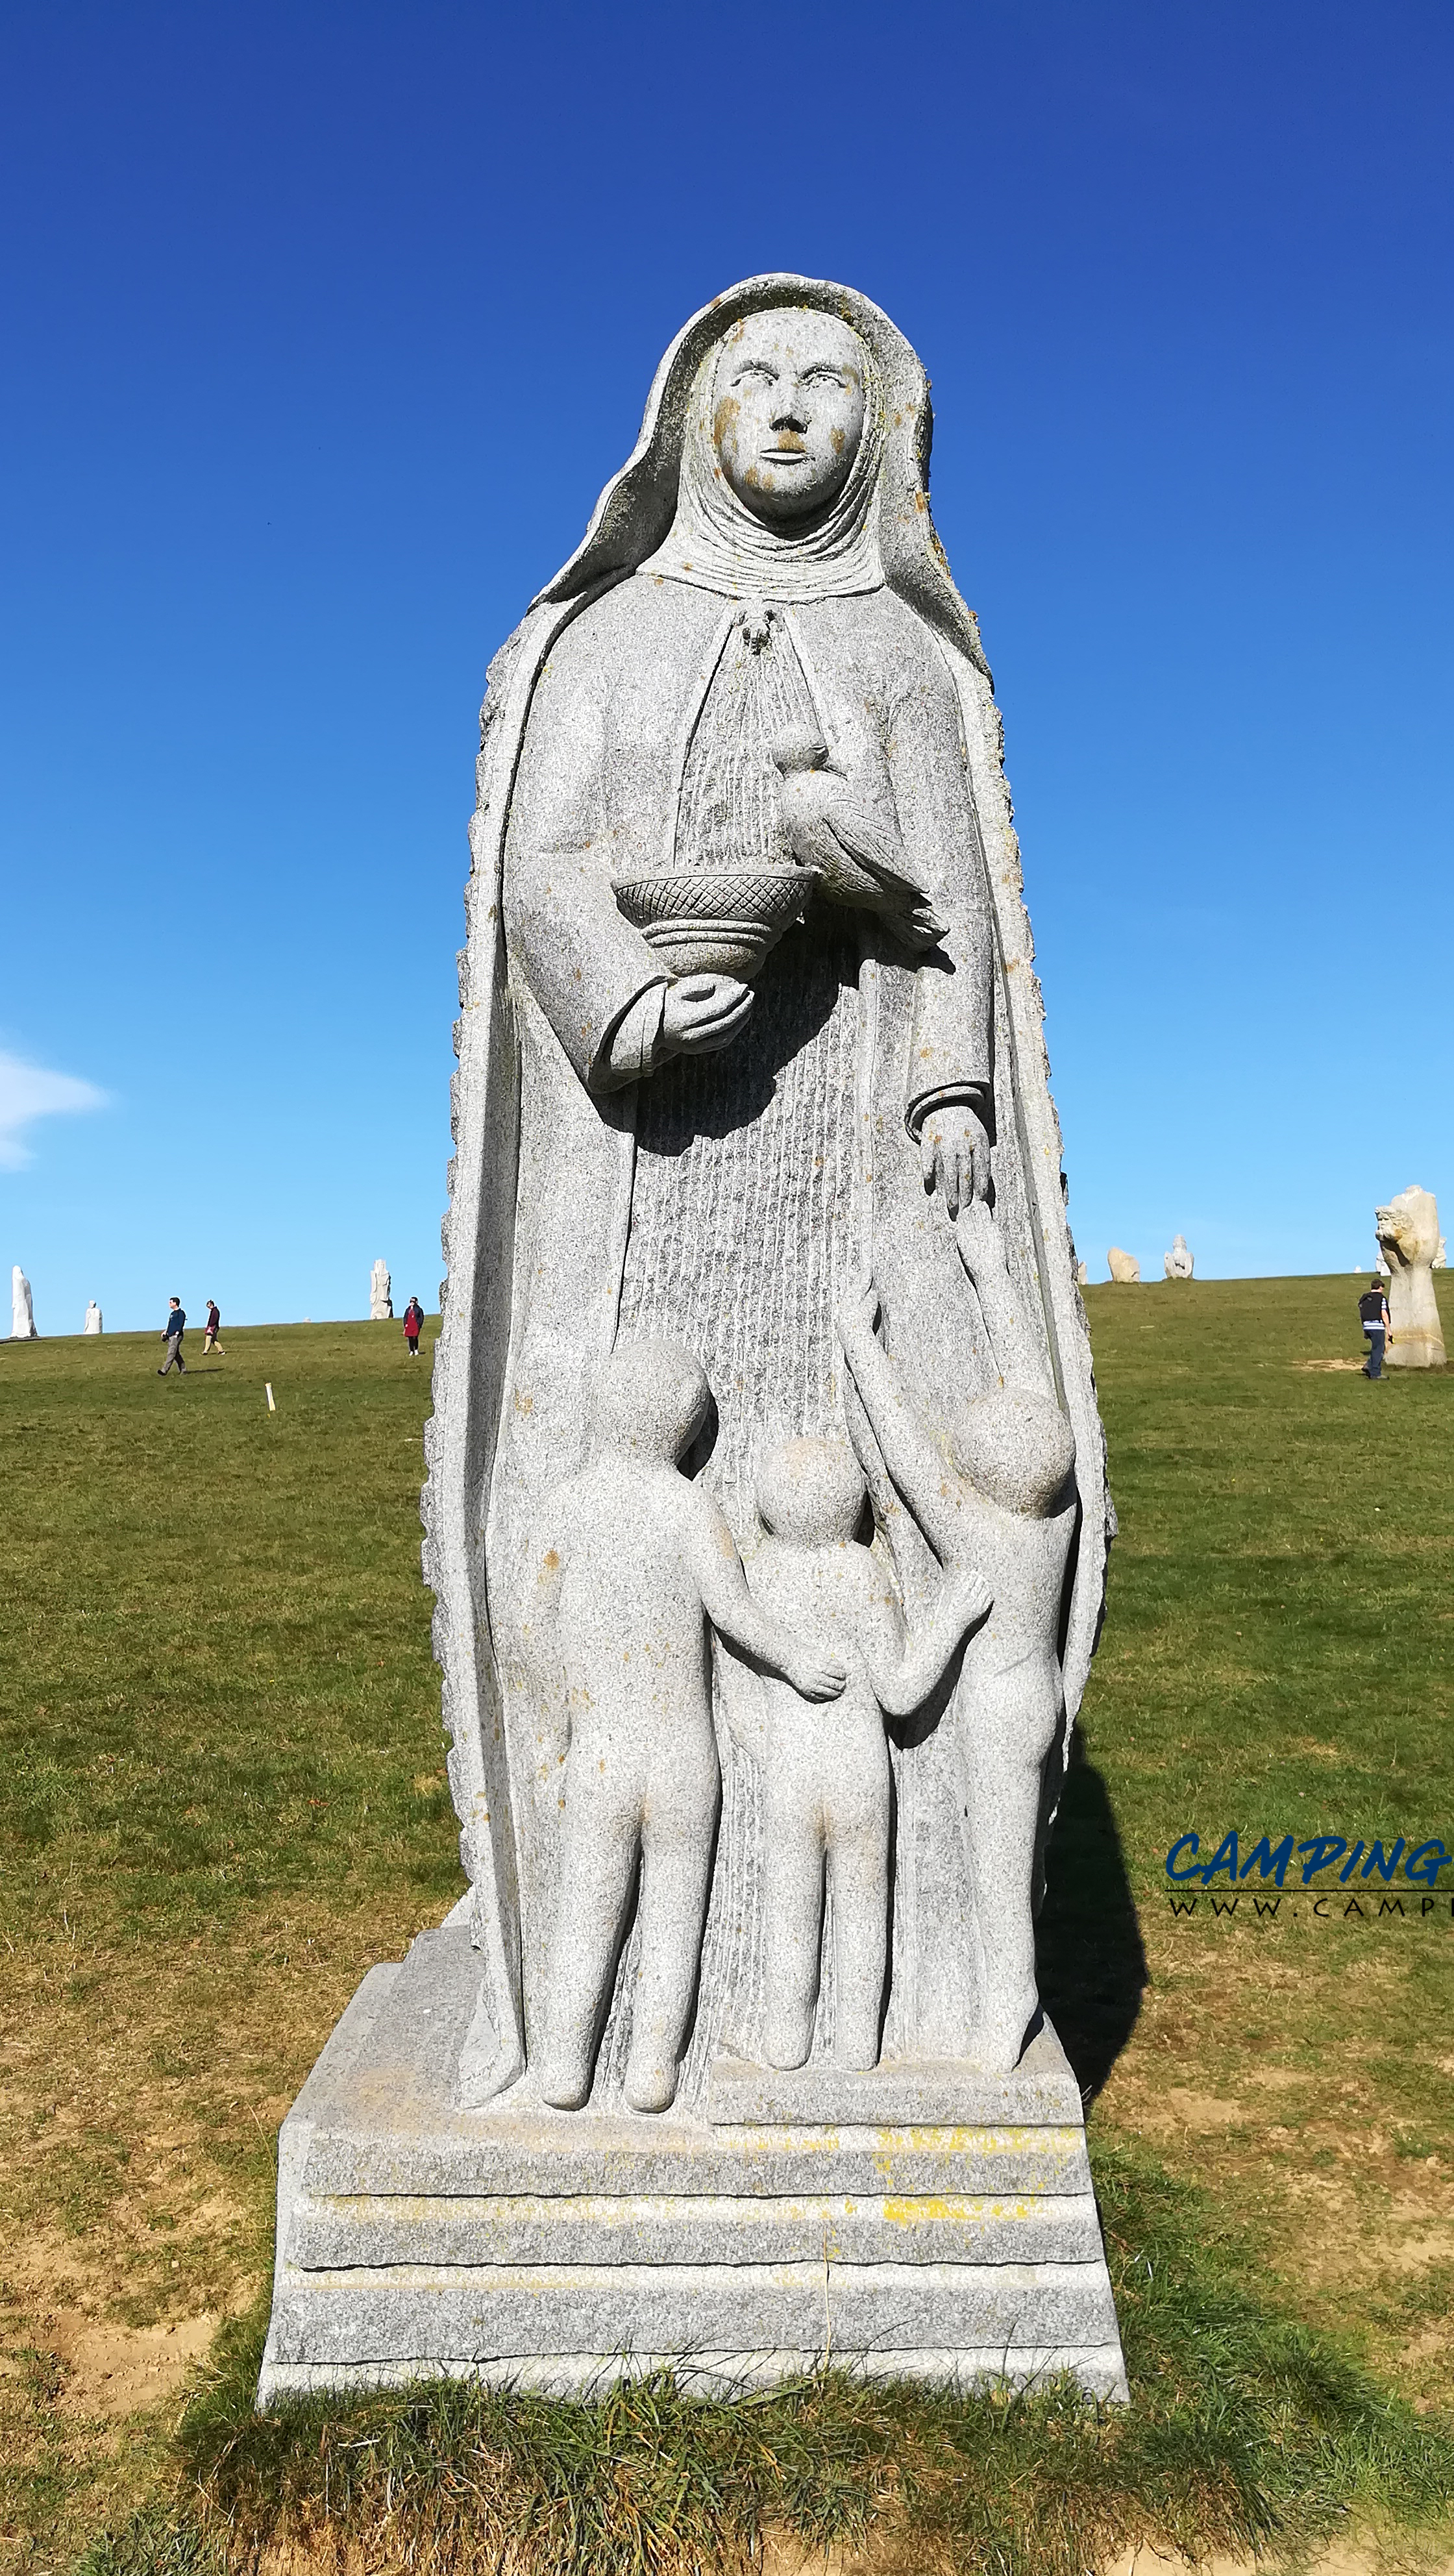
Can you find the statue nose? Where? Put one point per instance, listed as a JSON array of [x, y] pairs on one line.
[[790, 417]]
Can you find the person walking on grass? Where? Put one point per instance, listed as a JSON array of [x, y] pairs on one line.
[[176, 1326], [210, 1341], [1373, 1316], [413, 1326]]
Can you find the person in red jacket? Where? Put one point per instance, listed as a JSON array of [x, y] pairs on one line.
[[413, 1326]]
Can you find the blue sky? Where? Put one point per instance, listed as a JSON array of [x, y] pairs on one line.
[[323, 327]]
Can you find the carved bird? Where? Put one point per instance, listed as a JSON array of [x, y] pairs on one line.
[[835, 825]]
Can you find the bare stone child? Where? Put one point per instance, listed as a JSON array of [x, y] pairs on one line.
[[990, 1487], [635, 1569], [827, 1790]]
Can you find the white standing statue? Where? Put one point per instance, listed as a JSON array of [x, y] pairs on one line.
[[766, 1504], [1123, 1267], [93, 1318], [1408, 1237], [1178, 1263], [381, 1303], [1441, 1258], [22, 1312]]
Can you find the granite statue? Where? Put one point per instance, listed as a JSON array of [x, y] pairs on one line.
[[1408, 1240], [93, 1318], [1124, 1267], [620, 1636], [990, 1484], [827, 1782], [766, 1511], [381, 1302], [1178, 1262], [22, 1310]]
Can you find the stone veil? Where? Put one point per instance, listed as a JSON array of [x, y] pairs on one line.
[[729, 1202]]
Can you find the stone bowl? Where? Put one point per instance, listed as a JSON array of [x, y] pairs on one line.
[[716, 921]]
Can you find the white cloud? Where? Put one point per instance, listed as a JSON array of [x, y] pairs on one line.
[[27, 1091]]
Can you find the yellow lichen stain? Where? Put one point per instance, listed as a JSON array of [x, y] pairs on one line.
[[524, 1403], [1062, 2144], [552, 1559], [952, 2209]]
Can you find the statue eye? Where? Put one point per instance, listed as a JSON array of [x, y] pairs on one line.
[[755, 367]]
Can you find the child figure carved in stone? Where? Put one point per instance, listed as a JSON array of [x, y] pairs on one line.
[[827, 1789], [635, 1568], [990, 1485]]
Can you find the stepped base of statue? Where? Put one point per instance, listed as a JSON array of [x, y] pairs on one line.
[[923, 2221]]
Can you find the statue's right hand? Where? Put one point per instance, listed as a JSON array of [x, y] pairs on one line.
[[967, 1597], [816, 1676], [702, 1013]]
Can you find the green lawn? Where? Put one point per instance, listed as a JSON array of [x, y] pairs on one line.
[[222, 1797], [1276, 1657]]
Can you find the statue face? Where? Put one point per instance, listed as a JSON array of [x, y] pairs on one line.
[[787, 411]]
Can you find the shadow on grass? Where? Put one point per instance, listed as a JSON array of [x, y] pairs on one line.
[[1091, 1958]]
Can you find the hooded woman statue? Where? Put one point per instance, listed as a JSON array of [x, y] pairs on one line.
[[754, 689]]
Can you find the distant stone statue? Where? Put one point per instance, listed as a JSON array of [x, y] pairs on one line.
[[93, 1318], [1178, 1262], [1082, 1275], [1408, 1238], [1123, 1266], [22, 1312], [1441, 1260], [381, 1303], [766, 1504]]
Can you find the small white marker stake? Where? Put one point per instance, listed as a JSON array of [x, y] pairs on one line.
[[268, 1392]]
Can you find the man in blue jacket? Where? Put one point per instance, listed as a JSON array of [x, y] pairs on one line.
[[1373, 1316], [176, 1326]]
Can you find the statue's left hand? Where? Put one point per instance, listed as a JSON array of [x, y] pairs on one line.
[[955, 1151]]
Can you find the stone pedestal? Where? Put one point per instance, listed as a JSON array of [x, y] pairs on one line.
[[922, 2221]]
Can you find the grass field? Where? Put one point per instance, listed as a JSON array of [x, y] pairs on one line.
[[222, 1797]]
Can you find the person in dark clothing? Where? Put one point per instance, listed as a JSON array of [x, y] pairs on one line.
[[210, 1341], [1373, 1316], [176, 1326], [413, 1326]]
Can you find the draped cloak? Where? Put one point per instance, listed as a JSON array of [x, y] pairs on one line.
[[727, 1201]]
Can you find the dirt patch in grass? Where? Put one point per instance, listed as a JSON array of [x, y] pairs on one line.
[[114, 2370]]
